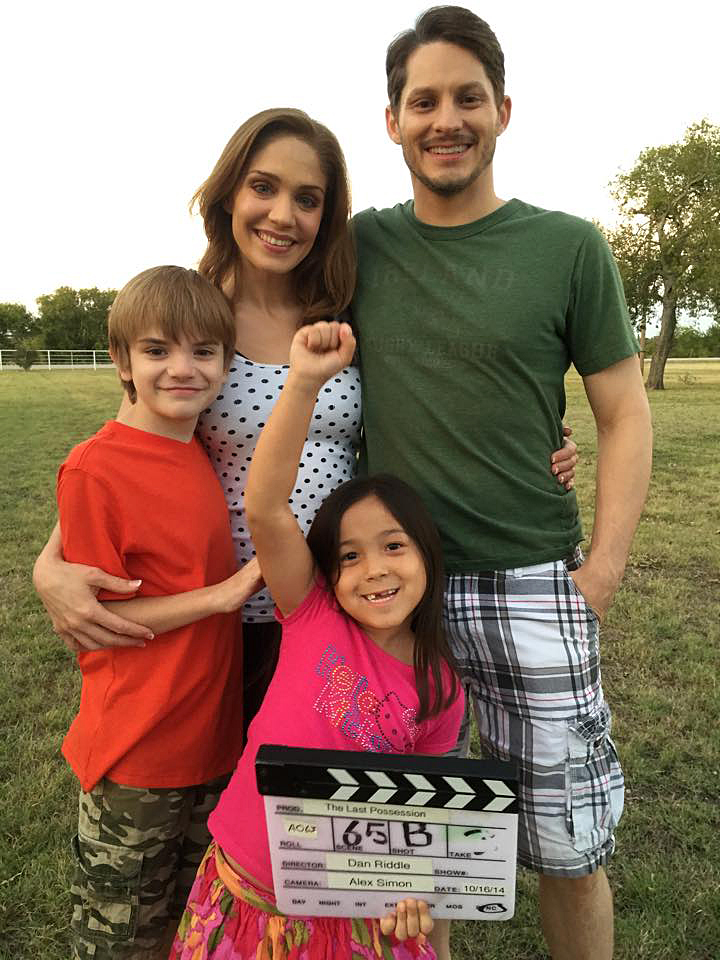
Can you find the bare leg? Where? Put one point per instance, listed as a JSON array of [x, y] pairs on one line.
[[440, 939], [577, 916]]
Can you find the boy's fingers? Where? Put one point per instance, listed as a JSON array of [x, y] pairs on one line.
[[387, 924]]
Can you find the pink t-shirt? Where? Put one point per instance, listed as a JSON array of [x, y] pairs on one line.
[[333, 689]]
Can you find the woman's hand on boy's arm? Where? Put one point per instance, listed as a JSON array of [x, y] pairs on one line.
[[408, 919], [68, 593]]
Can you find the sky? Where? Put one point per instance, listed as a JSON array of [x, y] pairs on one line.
[[114, 113]]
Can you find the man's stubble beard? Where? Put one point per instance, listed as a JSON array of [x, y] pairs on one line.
[[449, 188]]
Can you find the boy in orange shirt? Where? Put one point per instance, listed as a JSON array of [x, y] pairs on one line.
[[159, 728]]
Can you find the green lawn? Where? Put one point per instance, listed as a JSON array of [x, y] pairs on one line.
[[661, 659]]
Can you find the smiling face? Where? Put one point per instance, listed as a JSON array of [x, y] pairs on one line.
[[278, 205], [381, 575], [173, 381], [447, 120]]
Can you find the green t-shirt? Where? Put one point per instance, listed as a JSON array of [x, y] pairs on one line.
[[465, 334]]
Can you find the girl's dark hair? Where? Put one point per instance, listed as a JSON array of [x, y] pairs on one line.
[[431, 645]]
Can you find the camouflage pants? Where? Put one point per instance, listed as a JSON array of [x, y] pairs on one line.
[[136, 854]]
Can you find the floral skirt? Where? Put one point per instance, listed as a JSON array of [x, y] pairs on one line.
[[228, 918]]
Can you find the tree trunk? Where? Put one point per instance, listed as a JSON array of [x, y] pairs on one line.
[[642, 337], [663, 343]]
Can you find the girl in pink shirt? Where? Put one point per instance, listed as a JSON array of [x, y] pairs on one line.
[[363, 665]]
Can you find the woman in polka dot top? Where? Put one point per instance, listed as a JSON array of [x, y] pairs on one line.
[[276, 209]]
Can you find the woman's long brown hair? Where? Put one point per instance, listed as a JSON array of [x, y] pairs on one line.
[[325, 279]]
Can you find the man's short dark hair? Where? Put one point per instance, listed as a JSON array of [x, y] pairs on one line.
[[452, 25]]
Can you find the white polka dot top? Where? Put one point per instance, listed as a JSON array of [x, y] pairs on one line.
[[229, 430]]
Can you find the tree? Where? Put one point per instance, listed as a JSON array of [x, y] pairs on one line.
[[639, 271], [692, 342], [17, 325], [668, 242], [75, 319], [689, 342], [712, 340]]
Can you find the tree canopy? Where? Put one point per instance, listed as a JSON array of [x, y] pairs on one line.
[[75, 319], [691, 342], [17, 325], [668, 241]]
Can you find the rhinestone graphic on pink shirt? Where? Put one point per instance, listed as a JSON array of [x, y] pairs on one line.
[[379, 724]]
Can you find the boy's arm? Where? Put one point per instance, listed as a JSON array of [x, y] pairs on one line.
[[92, 532], [161, 614], [318, 351]]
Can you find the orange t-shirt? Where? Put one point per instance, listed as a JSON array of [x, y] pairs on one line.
[[169, 714]]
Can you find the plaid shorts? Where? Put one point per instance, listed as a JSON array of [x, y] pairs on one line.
[[136, 854], [526, 644]]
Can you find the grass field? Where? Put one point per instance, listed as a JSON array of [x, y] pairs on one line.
[[661, 659]]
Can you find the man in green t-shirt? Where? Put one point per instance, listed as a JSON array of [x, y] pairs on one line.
[[469, 311]]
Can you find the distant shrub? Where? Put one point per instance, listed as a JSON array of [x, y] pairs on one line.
[[25, 356]]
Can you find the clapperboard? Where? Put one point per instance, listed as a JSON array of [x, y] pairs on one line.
[[352, 833]]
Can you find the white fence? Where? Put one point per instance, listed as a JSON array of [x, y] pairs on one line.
[[60, 360], [100, 360]]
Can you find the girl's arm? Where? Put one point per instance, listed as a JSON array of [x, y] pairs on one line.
[[68, 593], [318, 351], [161, 614]]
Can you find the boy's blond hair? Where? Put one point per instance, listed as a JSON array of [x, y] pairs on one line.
[[175, 302]]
